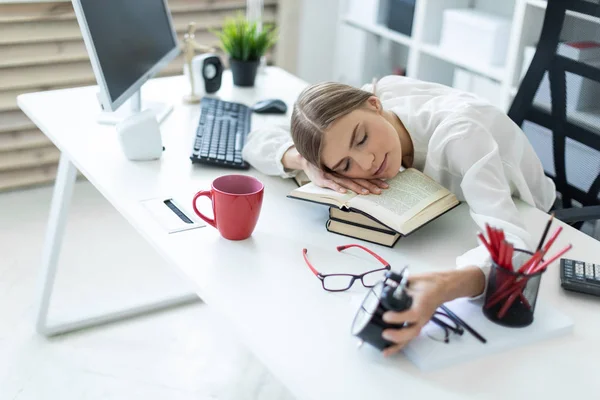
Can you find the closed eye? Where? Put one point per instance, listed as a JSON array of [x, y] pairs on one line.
[[363, 140], [347, 167]]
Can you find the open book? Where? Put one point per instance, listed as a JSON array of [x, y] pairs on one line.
[[412, 200]]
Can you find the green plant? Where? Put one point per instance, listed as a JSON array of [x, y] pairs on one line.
[[242, 41]]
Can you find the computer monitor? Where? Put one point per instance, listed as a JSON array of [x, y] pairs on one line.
[[128, 42]]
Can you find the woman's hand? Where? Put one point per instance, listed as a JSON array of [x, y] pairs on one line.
[[342, 184], [429, 291], [427, 294], [292, 160]]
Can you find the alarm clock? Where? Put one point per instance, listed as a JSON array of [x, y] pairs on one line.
[[207, 72], [387, 295]]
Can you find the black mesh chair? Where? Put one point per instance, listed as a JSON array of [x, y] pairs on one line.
[[557, 120]]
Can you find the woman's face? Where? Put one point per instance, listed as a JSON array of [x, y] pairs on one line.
[[363, 144]]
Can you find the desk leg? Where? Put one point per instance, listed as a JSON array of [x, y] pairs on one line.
[[61, 199]]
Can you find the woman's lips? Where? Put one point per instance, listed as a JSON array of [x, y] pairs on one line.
[[382, 166]]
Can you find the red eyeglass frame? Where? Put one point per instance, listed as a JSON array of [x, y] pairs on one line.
[[386, 266]]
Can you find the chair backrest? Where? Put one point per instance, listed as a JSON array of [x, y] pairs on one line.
[[574, 87]]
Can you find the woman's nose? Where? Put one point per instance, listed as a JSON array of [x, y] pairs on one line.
[[365, 160]]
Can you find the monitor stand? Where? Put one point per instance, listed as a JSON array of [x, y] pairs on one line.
[[161, 110]]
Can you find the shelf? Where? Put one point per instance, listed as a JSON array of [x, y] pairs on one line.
[[379, 30], [496, 73], [543, 3]]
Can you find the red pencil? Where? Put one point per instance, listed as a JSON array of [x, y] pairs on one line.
[[507, 286], [509, 256], [511, 299], [487, 245], [552, 239], [543, 266], [501, 254], [492, 239]]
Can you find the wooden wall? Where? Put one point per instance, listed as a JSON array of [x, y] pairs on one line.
[[41, 48]]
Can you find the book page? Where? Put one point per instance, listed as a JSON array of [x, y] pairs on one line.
[[310, 191], [409, 193]]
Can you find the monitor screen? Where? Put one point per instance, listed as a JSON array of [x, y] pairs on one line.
[[130, 37]]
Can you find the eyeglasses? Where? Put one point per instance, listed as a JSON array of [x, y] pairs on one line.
[[444, 323], [341, 282], [441, 326]]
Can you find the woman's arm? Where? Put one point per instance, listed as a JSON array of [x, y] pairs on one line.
[[265, 149], [429, 291], [292, 160]]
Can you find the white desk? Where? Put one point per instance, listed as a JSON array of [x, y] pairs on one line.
[[263, 286]]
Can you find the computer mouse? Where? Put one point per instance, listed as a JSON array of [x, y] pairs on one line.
[[270, 106]]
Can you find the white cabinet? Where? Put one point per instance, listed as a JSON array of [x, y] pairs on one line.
[[511, 24]]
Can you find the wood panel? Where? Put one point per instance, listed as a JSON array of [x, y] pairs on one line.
[[15, 179], [26, 158], [20, 140], [16, 120], [23, 54], [31, 12], [68, 29]]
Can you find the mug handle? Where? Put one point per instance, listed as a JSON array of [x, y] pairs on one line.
[[208, 194]]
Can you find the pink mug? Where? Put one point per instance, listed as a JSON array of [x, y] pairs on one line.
[[236, 203]]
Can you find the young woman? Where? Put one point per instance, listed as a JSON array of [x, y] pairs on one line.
[[349, 138]]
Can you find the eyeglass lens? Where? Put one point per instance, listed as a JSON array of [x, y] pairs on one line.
[[337, 282], [442, 329], [371, 279]]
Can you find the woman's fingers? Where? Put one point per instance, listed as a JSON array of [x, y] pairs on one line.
[[361, 186], [404, 335], [393, 349], [371, 187], [328, 183], [380, 183], [394, 317], [347, 183]]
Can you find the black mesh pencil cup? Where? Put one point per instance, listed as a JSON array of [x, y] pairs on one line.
[[512, 294]]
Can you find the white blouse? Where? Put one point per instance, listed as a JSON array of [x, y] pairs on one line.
[[466, 144]]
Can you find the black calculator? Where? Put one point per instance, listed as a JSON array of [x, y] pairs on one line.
[[580, 276]]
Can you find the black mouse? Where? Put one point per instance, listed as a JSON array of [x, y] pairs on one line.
[[270, 106]]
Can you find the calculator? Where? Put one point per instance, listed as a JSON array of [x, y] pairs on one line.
[[580, 276]]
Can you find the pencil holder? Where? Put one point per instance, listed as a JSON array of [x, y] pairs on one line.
[[511, 296]]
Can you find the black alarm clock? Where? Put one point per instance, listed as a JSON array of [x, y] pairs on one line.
[[387, 295], [210, 68]]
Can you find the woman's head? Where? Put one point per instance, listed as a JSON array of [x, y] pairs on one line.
[[343, 129]]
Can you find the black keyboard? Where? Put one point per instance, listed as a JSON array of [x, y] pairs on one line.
[[221, 133]]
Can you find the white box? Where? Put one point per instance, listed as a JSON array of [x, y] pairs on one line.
[[481, 86], [580, 51], [475, 35], [582, 93], [366, 11]]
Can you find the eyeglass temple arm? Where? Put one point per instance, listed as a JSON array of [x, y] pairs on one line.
[[314, 271], [381, 260]]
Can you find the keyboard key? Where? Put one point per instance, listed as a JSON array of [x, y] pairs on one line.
[[589, 270]]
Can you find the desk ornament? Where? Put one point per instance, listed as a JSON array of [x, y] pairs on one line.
[[206, 67]]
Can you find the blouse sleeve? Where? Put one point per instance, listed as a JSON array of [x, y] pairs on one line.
[[265, 147], [473, 153]]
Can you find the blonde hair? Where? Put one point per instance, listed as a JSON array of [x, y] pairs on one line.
[[317, 107]]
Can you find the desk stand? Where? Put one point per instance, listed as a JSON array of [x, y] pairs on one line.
[[61, 199]]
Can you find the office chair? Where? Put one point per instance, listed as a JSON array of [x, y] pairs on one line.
[[523, 108]]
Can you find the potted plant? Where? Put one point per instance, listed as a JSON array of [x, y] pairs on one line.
[[245, 45]]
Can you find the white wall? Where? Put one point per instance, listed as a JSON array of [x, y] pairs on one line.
[[317, 40]]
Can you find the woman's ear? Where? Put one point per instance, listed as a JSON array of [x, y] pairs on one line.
[[374, 104]]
